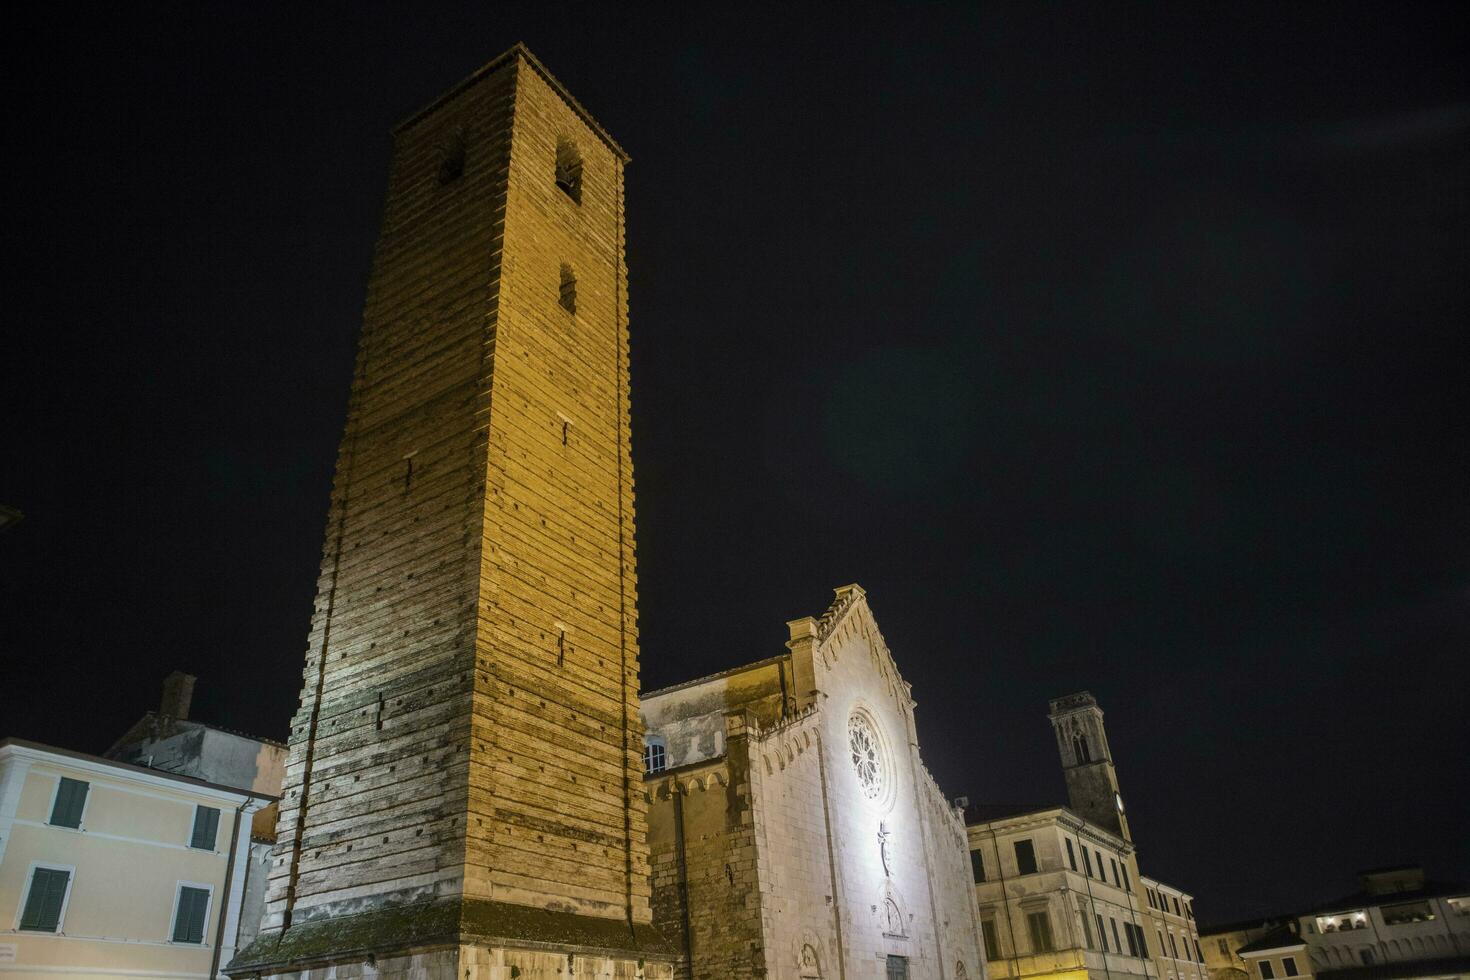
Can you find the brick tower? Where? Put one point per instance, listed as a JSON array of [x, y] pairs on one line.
[[1087, 762], [464, 792]]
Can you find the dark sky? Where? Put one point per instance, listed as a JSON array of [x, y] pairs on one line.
[[1106, 346]]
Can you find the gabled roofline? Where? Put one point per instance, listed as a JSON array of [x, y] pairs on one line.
[[518, 50]]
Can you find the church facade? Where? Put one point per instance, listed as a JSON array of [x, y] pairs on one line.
[[793, 830]]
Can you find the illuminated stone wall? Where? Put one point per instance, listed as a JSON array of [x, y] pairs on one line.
[[466, 759], [794, 865]]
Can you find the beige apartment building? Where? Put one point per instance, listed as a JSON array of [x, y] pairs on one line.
[[1399, 925], [109, 870], [1059, 889]]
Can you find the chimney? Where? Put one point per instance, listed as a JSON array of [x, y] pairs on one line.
[[178, 691]]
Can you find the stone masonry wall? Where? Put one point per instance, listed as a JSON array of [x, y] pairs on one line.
[[468, 721], [556, 803], [376, 781], [724, 937]]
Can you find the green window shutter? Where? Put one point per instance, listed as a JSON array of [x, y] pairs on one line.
[[189, 919], [43, 903], [206, 827], [71, 797]]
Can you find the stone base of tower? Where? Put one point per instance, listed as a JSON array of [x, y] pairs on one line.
[[457, 940]]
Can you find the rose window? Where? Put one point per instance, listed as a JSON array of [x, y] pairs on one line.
[[867, 757]]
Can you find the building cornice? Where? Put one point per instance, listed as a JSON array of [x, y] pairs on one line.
[[33, 752]]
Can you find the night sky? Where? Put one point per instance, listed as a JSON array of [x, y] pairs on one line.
[[1107, 347]]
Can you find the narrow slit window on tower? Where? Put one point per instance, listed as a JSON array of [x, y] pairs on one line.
[[451, 159], [568, 289], [561, 646], [569, 170]]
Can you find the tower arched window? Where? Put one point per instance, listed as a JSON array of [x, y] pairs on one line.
[[568, 289], [1079, 745], [569, 170], [451, 158], [655, 754]]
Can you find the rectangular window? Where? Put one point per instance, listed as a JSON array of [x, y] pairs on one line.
[[1288, 964], [206, 828], [1163, 950], [1102, 935], [1176, 906], [1086, 931], [1025, 858], [71, 797], [1116, 880], [1173, 945], [977, 866], [898, 967], [1117, 943], [1153, 900], [45, 899], [1266, 972], [1131, 931], [1038, 924], [189, 916], [1102, 870], [1395, 915], [1086, 862], [992, 944], [1127, 881], [1198, 956], [1071, 855]]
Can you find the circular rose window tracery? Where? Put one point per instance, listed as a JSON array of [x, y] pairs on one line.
[[867, 755]]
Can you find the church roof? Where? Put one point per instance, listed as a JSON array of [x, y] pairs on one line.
[[731, 672]]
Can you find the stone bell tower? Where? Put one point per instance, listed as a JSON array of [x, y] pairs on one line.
[[1087, 762], [463, 796]]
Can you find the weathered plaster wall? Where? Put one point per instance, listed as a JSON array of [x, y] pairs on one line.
[[691, 717]]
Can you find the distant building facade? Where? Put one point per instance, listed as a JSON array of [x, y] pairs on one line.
[[1398, 925], [1059, 889], [109, 870], [793, 830]]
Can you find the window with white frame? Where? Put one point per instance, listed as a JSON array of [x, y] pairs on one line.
[[70, 800], [206, 828], [191, 913], [655, 754], [1267, 971], [44, 907]]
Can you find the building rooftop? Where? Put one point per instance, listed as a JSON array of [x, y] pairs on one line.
[[1282, 936], [731, 672], [127, 767], [986, 812]]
